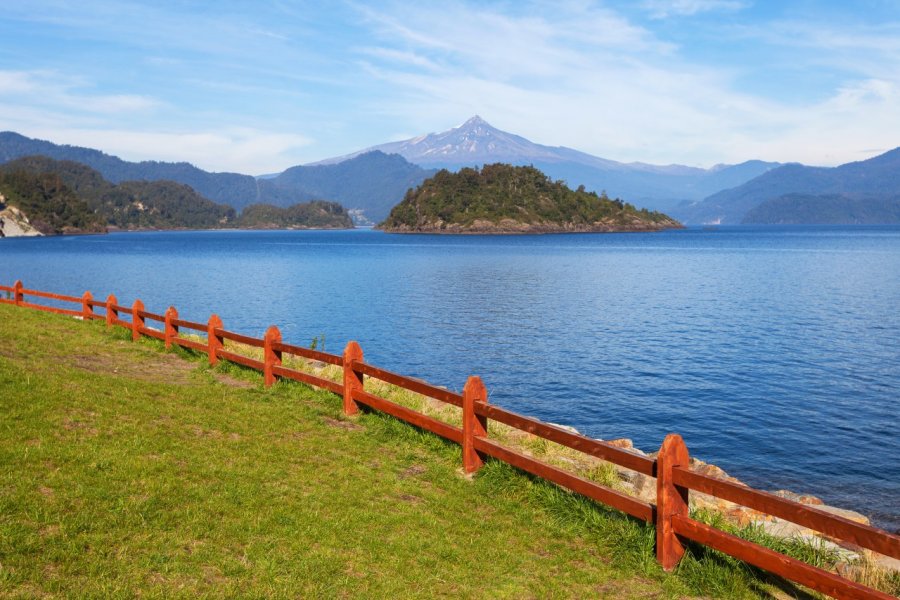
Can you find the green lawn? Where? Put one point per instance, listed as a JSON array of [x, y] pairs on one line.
[[126, 470]]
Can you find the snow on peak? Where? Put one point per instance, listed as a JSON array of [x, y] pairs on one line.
[[475, 121]]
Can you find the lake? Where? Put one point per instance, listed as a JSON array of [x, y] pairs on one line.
[[774, 351]]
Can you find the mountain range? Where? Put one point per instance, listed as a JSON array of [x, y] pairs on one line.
[[476, 143], [371, 181], [789, 194]]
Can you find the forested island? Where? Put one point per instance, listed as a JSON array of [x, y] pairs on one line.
[[501, 198], [317, 214]]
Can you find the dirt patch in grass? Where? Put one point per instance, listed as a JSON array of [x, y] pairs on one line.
[[410, 499], [412, 471], [342, 424], [154, 368], [80, 426]]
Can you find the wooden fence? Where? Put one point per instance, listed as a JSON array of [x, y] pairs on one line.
[[671, 468]]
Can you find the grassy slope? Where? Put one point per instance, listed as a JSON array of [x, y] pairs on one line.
[[129, 470], [145, 480]]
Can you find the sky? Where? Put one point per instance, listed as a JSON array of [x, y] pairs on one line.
[[256, 87]]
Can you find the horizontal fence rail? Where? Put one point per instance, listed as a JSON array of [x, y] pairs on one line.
[[671, 468]]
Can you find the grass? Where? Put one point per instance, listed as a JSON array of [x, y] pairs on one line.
[[130, 471]]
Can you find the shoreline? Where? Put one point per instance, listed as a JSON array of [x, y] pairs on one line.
[[175, 229], [526, 230]]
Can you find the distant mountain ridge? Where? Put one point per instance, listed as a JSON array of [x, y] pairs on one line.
[[476, 142], [372, 182], [825, 209], [63, 196], [876, 180], [233, 189]]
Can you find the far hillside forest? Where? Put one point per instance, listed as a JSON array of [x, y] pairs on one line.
[[62, 196]]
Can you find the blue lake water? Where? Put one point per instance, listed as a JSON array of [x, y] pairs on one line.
[[775, 352]]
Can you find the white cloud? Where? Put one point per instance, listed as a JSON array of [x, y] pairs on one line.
[[588, 79], [48, 105], [239, 150], [56, 91], [661, 9], [399, 56], [570, 73]]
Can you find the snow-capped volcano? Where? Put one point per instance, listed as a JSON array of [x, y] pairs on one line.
[[476, 142]]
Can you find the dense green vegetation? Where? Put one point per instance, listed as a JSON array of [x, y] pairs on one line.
[[316, 214], [50, 205], [828, 209], [129, 205], [505, 198]]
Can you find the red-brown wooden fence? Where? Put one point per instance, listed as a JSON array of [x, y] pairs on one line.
[[671, 468]]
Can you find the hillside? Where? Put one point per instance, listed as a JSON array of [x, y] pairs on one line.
[[501, 198], [830, 209], [876, 180], [51, 207], [316, 214], [129, 205], [148, 473], [373, 182]]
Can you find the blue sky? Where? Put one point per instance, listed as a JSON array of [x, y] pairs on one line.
[[256, 87]]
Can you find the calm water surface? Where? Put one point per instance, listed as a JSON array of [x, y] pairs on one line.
[[775, 352]]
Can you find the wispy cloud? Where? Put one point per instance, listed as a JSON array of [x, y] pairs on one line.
[[226, 149], [741, 82], [590, 79], [58, 91], [661, 9]]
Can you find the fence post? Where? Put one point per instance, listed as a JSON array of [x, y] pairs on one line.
[[171, 330], [18, 296], [671, 500], [473, 425], [87, 310], [271, 357], [353, 380], [137, 321], [111, 314], [214, 342]]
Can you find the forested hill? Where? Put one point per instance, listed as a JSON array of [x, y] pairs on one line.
[[501, 198], [317, 214], [233, 189], [50, 206], [128, 205]]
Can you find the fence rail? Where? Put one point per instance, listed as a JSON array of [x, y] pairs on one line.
[[671, 467]]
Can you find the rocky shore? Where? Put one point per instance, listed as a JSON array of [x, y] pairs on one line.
[[644, 488], [14, 223], [512, 227]]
